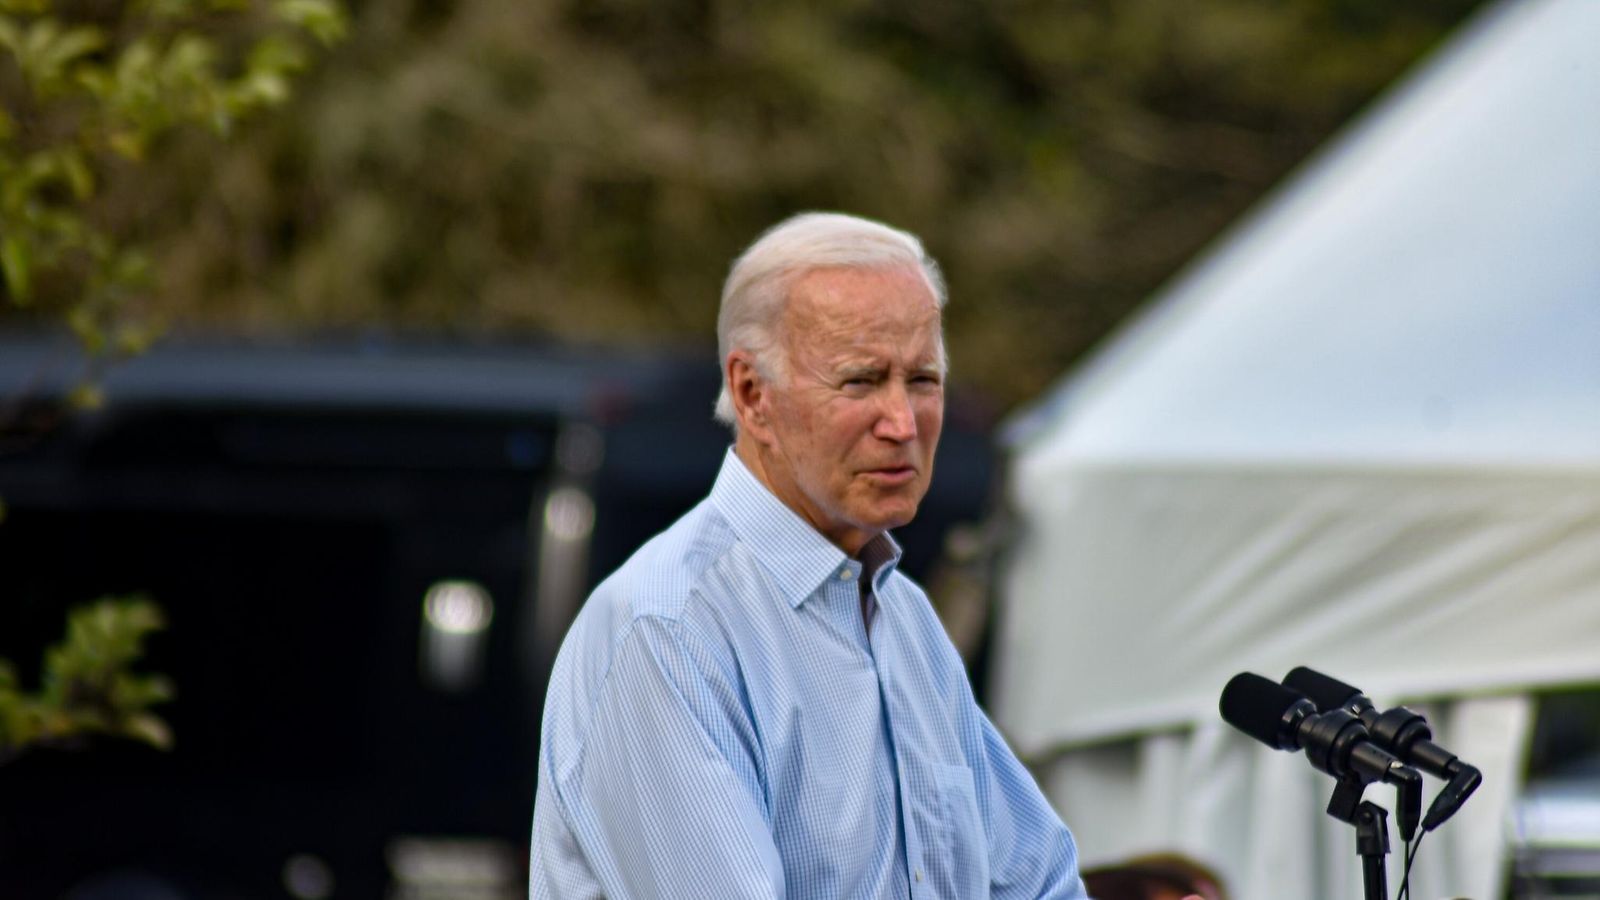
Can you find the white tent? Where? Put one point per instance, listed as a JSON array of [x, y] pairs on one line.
[[1363, 434]]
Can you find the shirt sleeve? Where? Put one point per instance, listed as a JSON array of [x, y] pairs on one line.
[[1031, 852], [665, 798]]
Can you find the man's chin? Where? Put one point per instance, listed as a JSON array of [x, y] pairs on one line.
[[890, 519]]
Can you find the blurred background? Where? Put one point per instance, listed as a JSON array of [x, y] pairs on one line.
[[360, 341]]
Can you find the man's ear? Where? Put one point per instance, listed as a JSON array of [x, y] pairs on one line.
[[751, 396]]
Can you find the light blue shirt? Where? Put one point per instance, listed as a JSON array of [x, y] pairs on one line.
[[721, 723]]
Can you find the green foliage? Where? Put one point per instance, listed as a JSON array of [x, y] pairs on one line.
[[587, 170], [89, 92], [88, 686]]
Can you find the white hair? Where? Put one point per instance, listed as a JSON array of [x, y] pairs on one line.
[[758, 285]]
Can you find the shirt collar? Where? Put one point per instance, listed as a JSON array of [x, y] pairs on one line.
[[798, 556]]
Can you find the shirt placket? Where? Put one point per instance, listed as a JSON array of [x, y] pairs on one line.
[[845, 593], [883, 650]]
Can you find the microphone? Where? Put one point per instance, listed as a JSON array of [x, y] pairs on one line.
[[1399, 730], [1334, 741]]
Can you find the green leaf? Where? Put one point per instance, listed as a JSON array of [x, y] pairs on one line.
[[83, 323], [72, 46], [275, 54], [14, 260], [265, 88], [87, 685], [128, 267], [150, 729], [75, 169], [136, 692], [132, 340], [324, 20], [87, 398]]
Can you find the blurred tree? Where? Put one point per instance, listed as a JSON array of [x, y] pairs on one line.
[[586, 170], [87, 687], [89, 92], [92, 92]]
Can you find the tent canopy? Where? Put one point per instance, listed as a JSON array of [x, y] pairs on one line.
[[1362, 434]]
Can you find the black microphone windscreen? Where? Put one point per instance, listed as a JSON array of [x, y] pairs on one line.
[[1256, 706], [1326, 692]]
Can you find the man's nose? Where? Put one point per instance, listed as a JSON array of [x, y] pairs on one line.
[[897, 421]]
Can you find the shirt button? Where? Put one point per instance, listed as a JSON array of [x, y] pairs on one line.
[[846, 575], [919, 874]]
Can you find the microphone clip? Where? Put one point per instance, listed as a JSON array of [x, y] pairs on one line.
[[1346, 804]]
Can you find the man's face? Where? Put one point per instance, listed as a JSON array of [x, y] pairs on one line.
[[854, 427]]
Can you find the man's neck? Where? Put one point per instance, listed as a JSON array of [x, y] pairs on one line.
[[759, 460]]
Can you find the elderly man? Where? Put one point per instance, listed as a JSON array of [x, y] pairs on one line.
[[758, 703]]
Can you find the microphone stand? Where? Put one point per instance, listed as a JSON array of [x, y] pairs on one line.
[[1372, 833]]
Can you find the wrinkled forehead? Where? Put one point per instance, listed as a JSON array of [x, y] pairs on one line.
[[897, 296], [865, 314]]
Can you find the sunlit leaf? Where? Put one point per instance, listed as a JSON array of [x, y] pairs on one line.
[[324, 20], [151, 730], [72, 45], [14, 260]]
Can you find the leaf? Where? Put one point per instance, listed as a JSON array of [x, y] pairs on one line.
[[72, 46], [150, 729], [142, 690], [132, 340], [87, 398], [275, 54], [190, 58], [265, 88], [324, 20], [128, 267], [83, 323], [38, 55], [77, 174], [14, 260]]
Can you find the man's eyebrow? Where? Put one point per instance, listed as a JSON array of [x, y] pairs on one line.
[[859, 370]]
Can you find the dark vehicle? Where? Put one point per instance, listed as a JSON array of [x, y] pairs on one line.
[[367, 553]]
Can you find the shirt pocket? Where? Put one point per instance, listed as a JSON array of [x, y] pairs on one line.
[[958, 867]]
